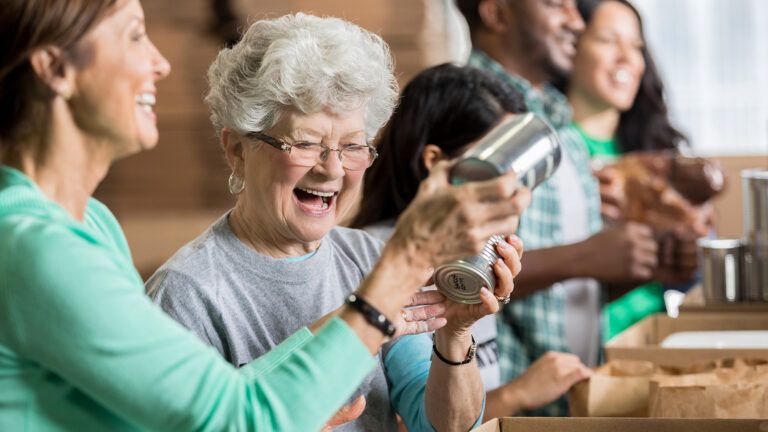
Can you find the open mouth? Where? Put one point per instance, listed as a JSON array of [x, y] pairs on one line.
[[315, 200], [621, 76], [146, 101]]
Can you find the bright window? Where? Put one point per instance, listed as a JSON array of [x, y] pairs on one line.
[[713, 56]]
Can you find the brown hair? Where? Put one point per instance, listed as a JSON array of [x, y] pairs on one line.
[[26, 25]]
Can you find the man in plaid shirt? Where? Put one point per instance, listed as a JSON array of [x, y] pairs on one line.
[[557, 298]]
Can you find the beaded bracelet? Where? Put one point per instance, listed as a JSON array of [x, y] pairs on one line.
[[372, 315]]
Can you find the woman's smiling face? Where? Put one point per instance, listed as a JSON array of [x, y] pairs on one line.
[[115, 86], [301, 204]]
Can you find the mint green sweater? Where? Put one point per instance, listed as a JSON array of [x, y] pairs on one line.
[[83, 348]]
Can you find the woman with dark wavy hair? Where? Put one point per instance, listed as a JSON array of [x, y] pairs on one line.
[[444, 111], [615, 89], [618, 105]]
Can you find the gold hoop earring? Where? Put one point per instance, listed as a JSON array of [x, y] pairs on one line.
[[236, 184]]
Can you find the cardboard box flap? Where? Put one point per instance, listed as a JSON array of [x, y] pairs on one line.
[[641, 341], [596, 424]]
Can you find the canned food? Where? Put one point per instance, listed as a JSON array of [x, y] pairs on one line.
[[525, 144], [462, 279], [722, 268]]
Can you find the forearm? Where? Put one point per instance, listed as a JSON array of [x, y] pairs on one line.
[[543, 267], [454, 394], [389, 287], [502, 402]]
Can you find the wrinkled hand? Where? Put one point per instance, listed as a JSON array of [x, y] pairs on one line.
[[425, 313], [446, 222], [612, 199], [622, 253], [346, 414], [461, 316], [548, 378]]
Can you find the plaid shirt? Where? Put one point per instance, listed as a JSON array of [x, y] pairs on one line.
[[531, 326]]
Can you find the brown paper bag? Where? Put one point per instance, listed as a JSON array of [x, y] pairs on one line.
[[617, 389], [736, 389]]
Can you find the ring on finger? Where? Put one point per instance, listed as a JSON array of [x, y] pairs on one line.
[[504, 300]]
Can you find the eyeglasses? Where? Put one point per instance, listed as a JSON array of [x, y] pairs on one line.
[[353, 157]]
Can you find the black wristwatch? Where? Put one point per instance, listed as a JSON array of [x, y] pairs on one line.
[[470, 354]]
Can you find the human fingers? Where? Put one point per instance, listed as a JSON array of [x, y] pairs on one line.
[[578, 373], [346, 414], [610, 211], [489, 304], [510, 255], [426, 297], [417, 327], [423, 313], [517, 243]]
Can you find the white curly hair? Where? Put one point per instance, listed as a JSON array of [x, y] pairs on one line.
[[301, 62]]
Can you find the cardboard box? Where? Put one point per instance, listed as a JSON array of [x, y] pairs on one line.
[[694, 303], [616, 389], [641, 341], [597, 424]]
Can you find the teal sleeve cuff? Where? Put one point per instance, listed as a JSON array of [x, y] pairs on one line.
[[277, 355]]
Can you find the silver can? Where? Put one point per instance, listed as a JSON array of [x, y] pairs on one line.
[[756, 267], [525, 144], [754, 184], [755, 191], [722, 270]]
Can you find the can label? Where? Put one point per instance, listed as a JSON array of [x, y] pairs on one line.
[[461, 280]]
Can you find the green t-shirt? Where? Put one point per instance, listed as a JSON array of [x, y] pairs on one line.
[[83, 348], [642, 301]]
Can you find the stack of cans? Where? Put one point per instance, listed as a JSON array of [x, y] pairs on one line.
[[755, 189]]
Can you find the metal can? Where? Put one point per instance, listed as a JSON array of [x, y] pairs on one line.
[[462, 279], [523, 143], [722, 268], [755, 191]]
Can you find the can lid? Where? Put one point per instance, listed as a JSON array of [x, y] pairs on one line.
[[755, 173], [461, 282], [719, 243]]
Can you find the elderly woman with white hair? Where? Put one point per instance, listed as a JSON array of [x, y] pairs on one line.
[[297, 103]]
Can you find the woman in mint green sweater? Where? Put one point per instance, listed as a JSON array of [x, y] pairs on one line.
[[81, 346]]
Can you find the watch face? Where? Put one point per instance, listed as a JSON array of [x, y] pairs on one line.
[[472, 350]]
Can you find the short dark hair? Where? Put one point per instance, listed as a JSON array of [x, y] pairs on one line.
[[471, 11], [26, 25], [447, 105], [646, 125]]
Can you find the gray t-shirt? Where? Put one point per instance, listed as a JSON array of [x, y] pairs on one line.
[[244, 303]]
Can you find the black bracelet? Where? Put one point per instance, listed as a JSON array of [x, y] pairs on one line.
[[470, 353], [372, 315]]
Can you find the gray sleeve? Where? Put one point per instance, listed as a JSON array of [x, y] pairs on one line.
[[190, 304]]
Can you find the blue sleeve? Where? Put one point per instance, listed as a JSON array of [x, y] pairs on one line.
[[407, 364]]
